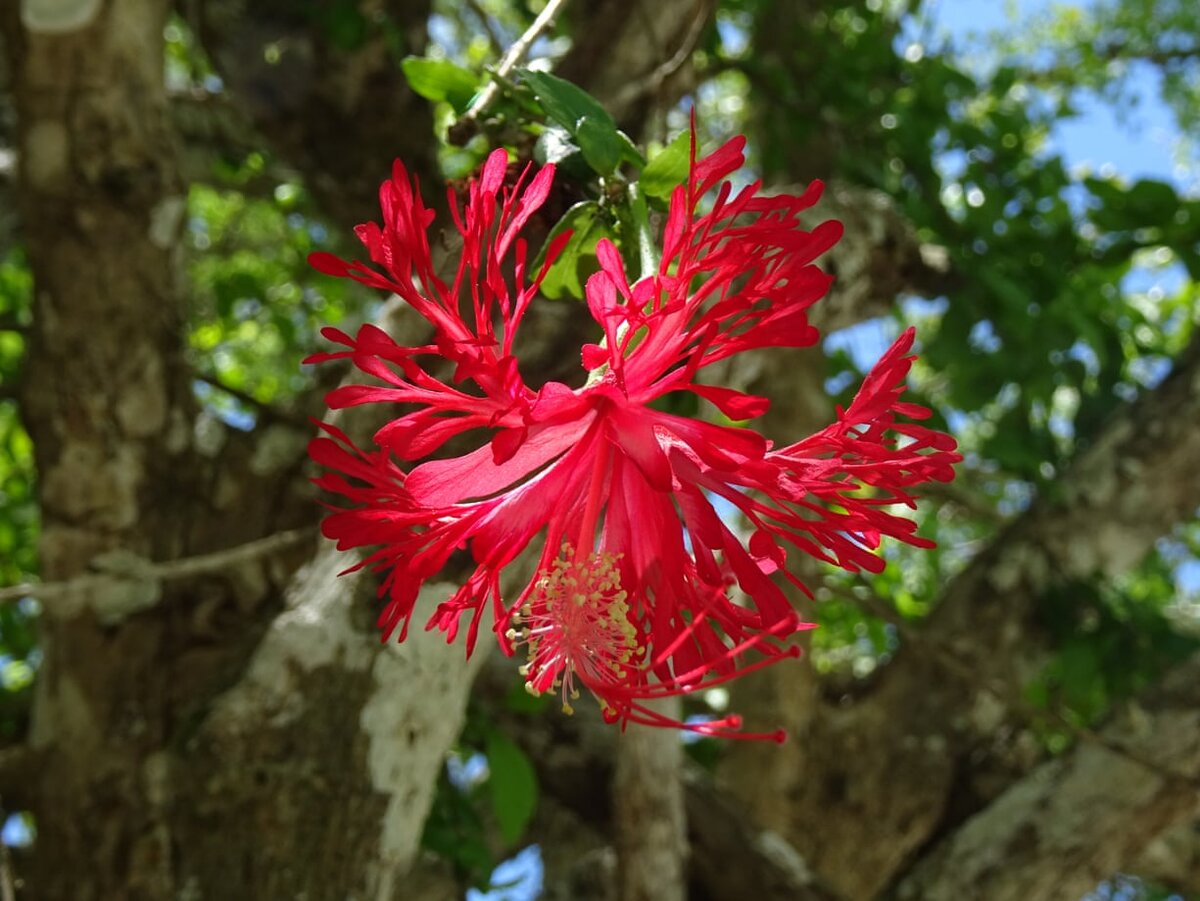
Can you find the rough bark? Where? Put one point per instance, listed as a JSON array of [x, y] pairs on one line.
[[159, 749], [620, 45], [878, 259], [107, 403]]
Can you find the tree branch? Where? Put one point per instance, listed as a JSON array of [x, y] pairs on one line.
[[653, 82], [134, 568], [958, 742], [1075, 821], [1005, 694], [1127, 488], [878, 258]]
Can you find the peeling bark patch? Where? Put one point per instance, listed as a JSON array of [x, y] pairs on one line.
[[88, 485], [141, 408], [315, 632], [411, 719], [44, 162], [165, 219], [58, 16], [318, 680]]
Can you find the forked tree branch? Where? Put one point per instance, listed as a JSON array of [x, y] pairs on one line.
[[1128, 487]]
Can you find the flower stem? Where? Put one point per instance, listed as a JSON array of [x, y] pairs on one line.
[[648, 252]]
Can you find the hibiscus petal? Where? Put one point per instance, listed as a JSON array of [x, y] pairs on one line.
[[477, 474], [634, 434], [722, 447], [733, 404]]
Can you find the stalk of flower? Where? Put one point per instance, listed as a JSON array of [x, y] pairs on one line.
[[631, 595]]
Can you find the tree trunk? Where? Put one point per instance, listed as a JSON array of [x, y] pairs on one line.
[[108, 405], [195, 741]]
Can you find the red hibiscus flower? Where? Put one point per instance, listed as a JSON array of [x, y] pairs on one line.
[[631, 595]]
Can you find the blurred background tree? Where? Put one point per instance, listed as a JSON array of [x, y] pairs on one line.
[[1013, 716]]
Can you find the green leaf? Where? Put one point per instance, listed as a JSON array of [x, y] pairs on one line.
[[578, 259], [454, 830], [589, 124], [667, 168], [601, 145], [518, 699], [1152, 202], [440, 80], [564, 102], [1002, 287], [513, 786]]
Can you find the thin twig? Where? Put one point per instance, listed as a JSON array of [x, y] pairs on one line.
[[488, 29], [652, 82], [167, 570], [515, 54], [11, 322], [267, 410]]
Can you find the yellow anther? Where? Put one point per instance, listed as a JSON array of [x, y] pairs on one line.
[[576, 625]]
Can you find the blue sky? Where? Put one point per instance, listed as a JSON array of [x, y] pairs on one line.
[[1140, 147], [1141, 144]]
